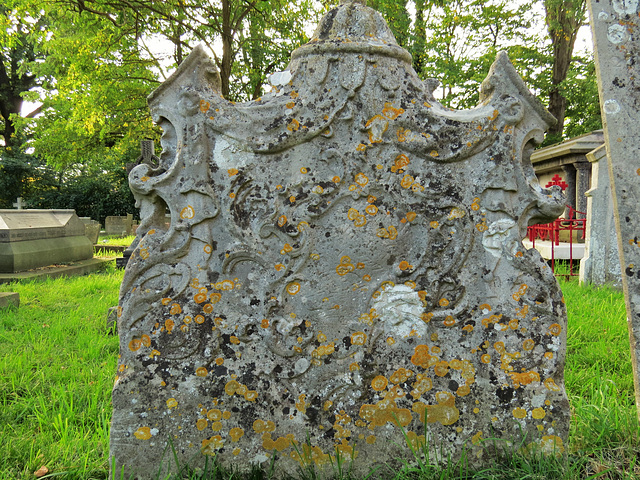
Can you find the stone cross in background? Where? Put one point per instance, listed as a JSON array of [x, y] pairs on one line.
[[18, 205], [343, 272], [616, 33]]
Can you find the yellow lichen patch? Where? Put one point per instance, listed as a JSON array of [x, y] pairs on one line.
[[449, 321], [528, 345], [400, 376], [358, 338], [520, 293], [404, 265], [293, 288], [327, 405], [345, 266], [232, 171], [135, 344], [204, 106], [201, 372], [411, 216], [371, 209], [279, 444], [486, 358], [406, 181], [434, 153], [519, 413], [207, 308], [391, 112], [445, 412], [463, 390], [422, 358], [456, 212], [550, 384], [214, 415], [376, 126], [175, 309], [441, 368], [290, 105], [282, 220], [209, 446], [142, 433], [524, 378], [555, 329], [260, 426], [201, 424], [294, 126], [538, 413], [236, 433], [199, 319], [187, 213], [383, 412], [477, 438], [361, 179], [169, 324], [391, 233], [422, 384], [323, 350], [172, 403], [224, 285], [379, 383], [400, 163], [361, 147]]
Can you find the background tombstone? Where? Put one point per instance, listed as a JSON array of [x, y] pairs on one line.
[[37, 238], [91, 229], [343, 266], [118, 225], [616, 34], [601, 263]]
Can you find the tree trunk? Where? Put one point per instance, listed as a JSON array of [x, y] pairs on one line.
[[227, 39], [564, 18]]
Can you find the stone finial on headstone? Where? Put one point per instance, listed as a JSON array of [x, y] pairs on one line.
[[343, 270], [18, 204]]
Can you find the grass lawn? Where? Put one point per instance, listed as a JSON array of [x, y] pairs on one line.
[[57, 365]]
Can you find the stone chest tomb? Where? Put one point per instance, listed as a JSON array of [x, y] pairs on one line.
[[37, 238], [343, 267]]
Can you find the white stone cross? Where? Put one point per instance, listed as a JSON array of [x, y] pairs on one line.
[[19, 203]]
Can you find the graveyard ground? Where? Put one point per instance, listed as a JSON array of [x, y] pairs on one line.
[[57, 364]]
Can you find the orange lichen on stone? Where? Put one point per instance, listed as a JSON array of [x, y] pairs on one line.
[[201, 372], [519, 413], [524, 378], [445, 412], [383, 412], [391, 112], [422, 358], [143, 433], [236, 433], [279, 444], [260, 426]]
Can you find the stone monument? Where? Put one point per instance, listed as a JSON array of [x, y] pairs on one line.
[[37, 238], [343, 271], [616, 34], [601, 263]]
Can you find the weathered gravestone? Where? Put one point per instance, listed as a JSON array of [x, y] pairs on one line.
[[616, 33], [343, 267], [37, 238], [91, 229], [600, 263], [118, 225]]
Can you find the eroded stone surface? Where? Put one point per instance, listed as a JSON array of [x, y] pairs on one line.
[[615, 27], [343, 259]]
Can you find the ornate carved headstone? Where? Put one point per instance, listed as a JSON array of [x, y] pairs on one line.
[[343, 266], [615, 27]]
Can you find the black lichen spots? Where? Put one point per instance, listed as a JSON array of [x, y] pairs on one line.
[[505, 394]]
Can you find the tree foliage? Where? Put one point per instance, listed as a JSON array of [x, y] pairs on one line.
[[90, 64]]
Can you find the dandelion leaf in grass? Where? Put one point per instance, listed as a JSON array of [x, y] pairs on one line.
[[343, 270]]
